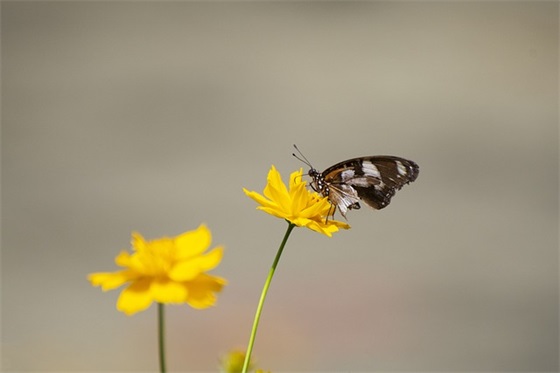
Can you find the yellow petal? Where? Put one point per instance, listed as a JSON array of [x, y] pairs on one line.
[[261, 200], [141, 261], [301, 221], [275, 189], [137, 241], [188, 269], [339, 224], [275, 211], [193, 243], [299, 197], [165, 291], [277, 196], [202, 290], [275, 179], [326, 230], [296, 178], [110, 280], [135, 298], [123, 259], [185, 270], [211, 259], [318, 206]]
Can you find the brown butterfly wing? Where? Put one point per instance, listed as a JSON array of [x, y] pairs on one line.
[[374, 180]]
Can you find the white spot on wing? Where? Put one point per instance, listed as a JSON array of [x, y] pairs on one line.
[[370, 169], [363, 181], [401, 169], [347, 174]]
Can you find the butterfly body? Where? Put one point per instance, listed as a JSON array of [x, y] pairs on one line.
[[373, 180]]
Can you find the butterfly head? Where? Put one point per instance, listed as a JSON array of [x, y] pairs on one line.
[[314, 173], [318, 182]]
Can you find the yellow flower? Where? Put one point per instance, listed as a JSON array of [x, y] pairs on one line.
[[233, 361], [167, 270], [297, 205]]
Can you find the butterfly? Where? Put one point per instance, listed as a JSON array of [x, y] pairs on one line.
[[373, 180]]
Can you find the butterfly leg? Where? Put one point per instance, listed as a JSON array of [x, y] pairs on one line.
[[331, 212]]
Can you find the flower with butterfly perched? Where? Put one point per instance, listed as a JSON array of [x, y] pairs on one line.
[[169, 270], [299, 207], [296, 204]]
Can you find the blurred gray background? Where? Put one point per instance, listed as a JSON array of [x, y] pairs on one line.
[[152, 117]]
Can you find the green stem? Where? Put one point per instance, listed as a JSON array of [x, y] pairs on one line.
[[263, 296], [161, 337]]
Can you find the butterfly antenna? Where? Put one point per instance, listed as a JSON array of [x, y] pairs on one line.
[[302, 158]]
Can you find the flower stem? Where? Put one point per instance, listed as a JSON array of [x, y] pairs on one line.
[[161, 337], [263, 296]]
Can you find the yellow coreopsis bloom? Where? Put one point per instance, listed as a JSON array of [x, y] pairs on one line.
[[297, 204], [169, 270], [232, 362]]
